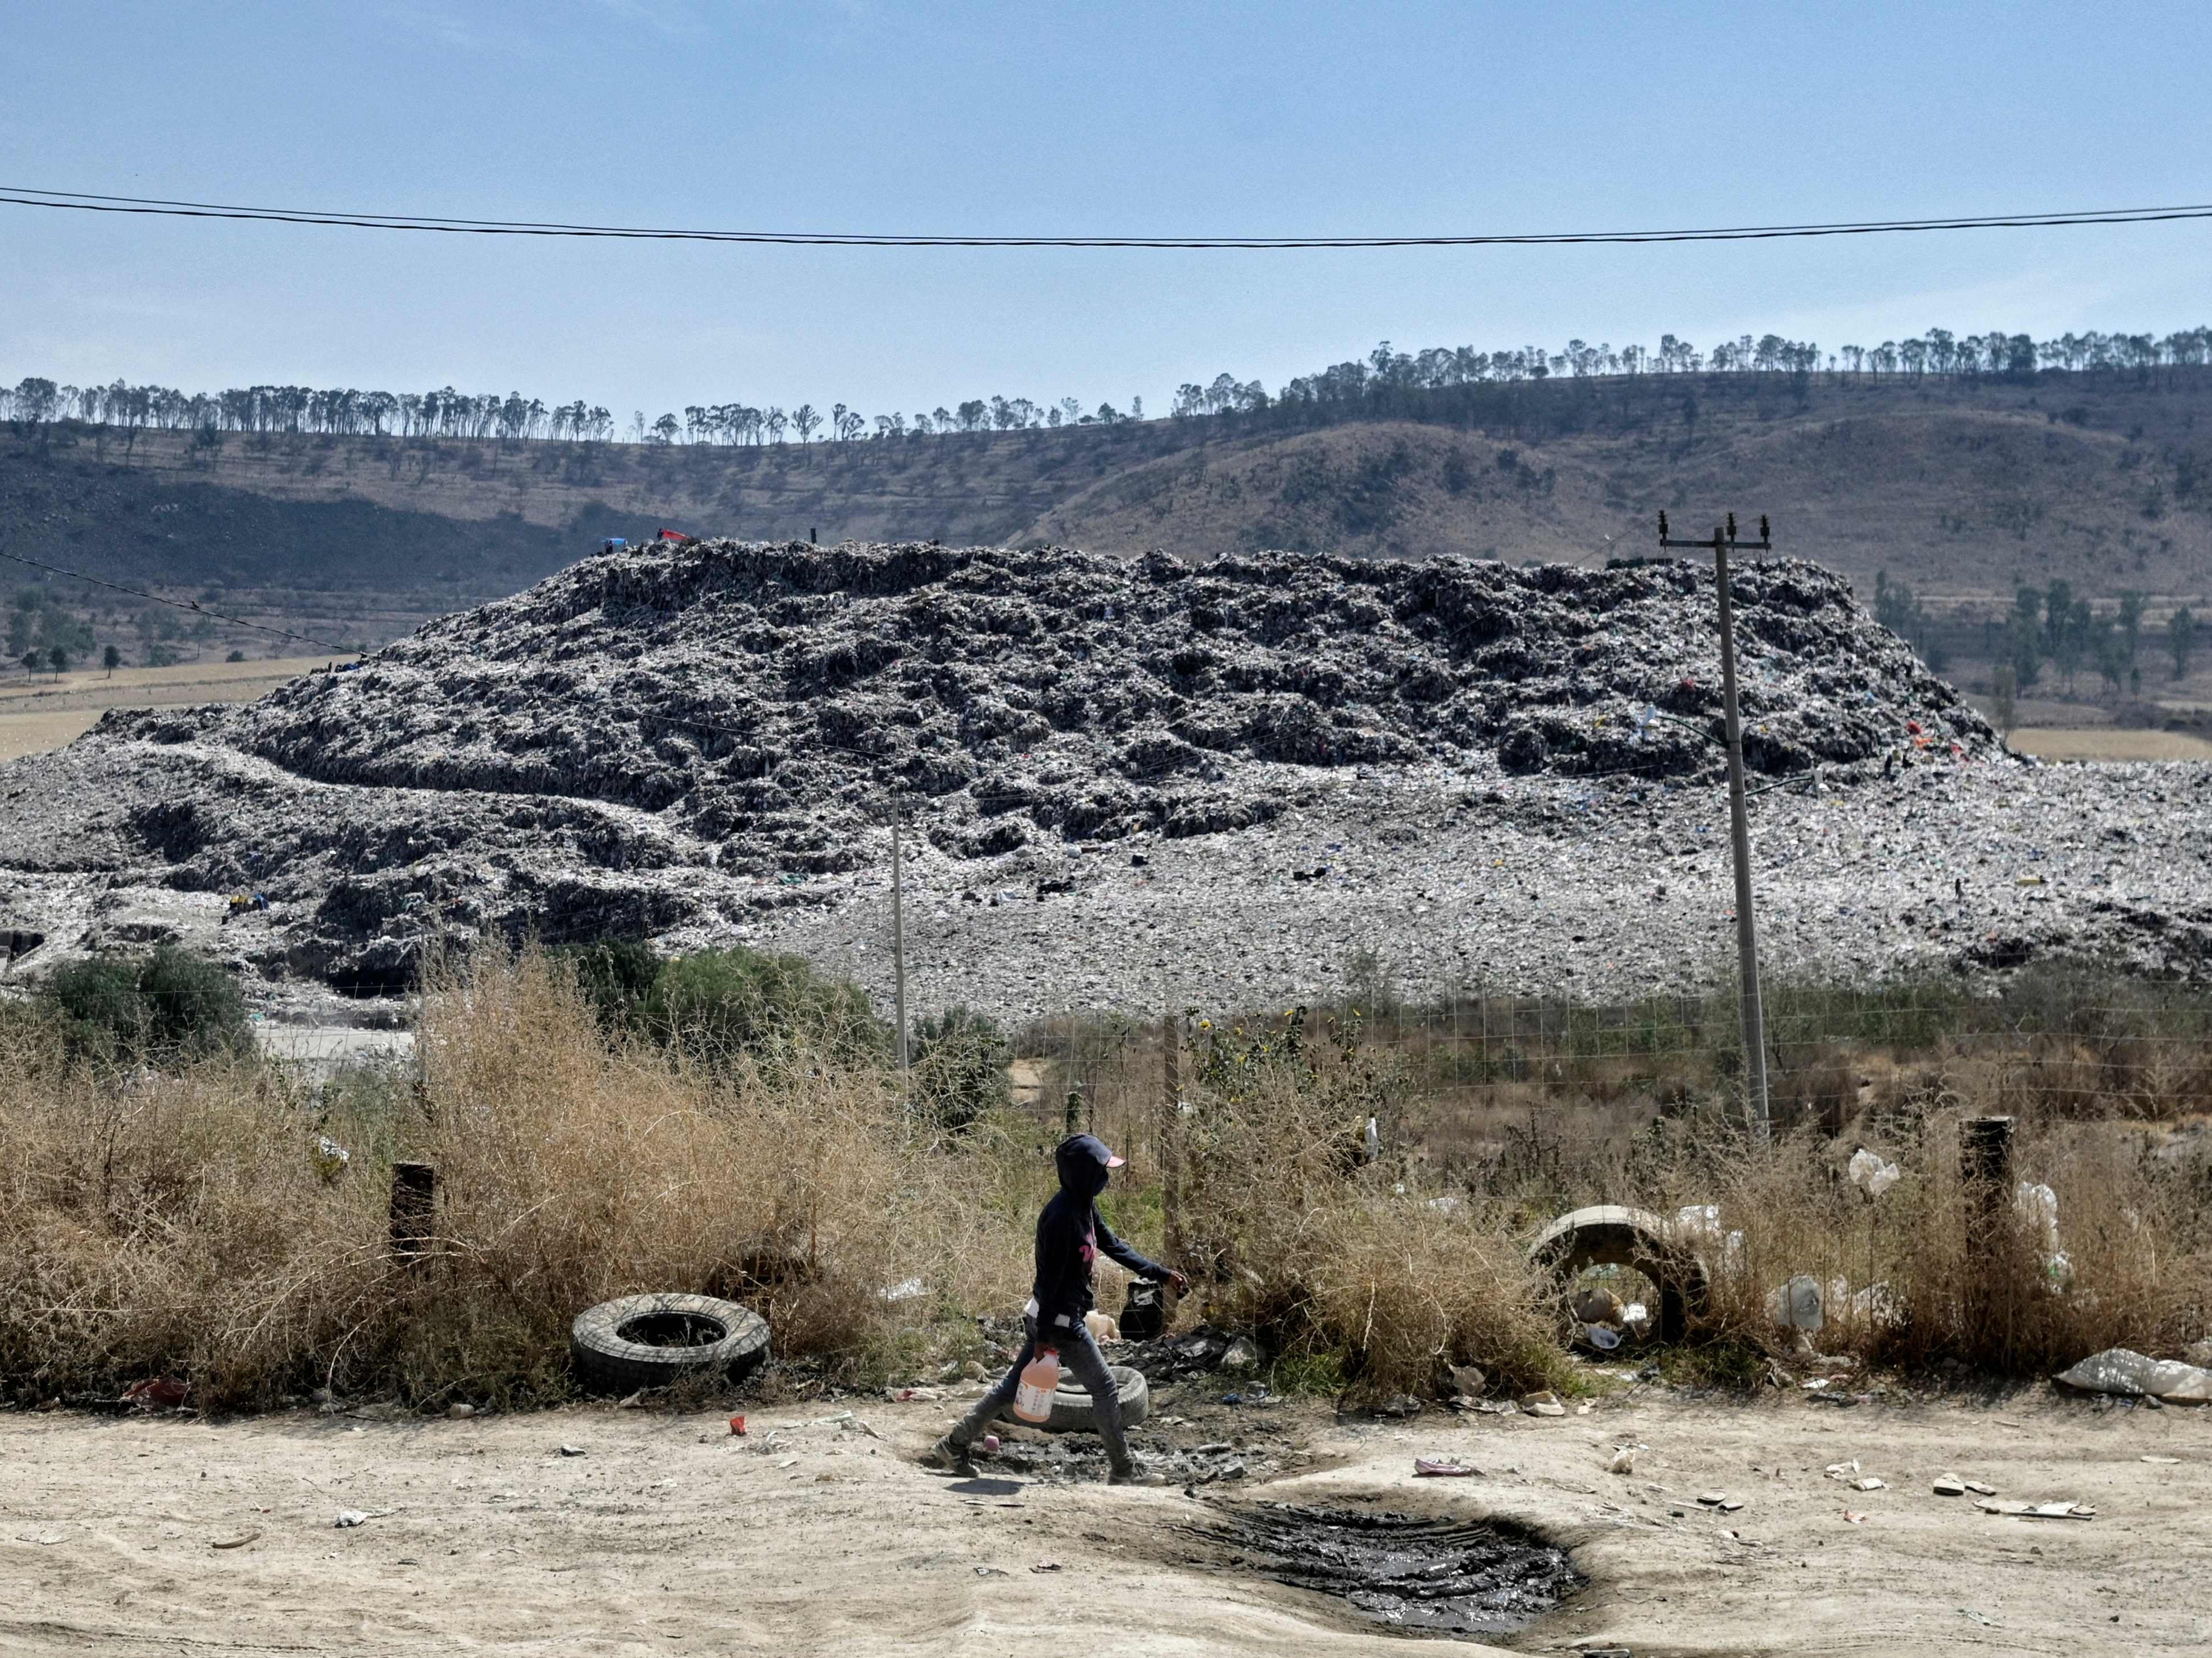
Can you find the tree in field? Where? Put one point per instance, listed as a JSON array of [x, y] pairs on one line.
[[58, 659], [837, 422], [2131, 616], [806, 420], [2181, 639], [111, 659], [2024, 634], [2005, 687], [30, 662]]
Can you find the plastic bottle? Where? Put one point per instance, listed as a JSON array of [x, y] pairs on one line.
[[1040, 1381]]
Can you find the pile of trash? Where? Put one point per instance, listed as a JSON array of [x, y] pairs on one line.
[[696, 735]]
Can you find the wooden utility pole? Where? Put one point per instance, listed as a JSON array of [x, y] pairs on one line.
[[1747, 933], [1169, 1136], [898, 939]]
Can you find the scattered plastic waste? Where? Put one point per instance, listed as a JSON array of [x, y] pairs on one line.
[[348, 1518], [1798, 1304], [329, 1157], [2040, 1511], [2130, 1375], [904, 1290], [1871, 1175], [1424, 1466]]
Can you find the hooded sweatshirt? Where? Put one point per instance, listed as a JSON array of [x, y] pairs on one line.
[[1071, 1234]]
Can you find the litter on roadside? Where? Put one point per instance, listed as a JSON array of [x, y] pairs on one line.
[[1425, 1466], [2129, 1374], [1949, 1487], [2040, 1511]]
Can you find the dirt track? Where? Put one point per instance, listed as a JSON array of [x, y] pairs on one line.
[[668, 1535]]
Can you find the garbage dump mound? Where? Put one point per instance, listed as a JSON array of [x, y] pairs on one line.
[[762, 696], [1427, 1575], [637, 745]]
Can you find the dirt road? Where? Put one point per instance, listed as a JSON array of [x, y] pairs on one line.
[[667, 1536], [38, 713]]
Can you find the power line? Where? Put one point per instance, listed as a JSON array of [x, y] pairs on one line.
[[27, 196], [176, 604]]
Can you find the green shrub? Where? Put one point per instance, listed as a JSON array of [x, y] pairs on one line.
[[169, 1005], [616, 976], [959, 1061], [720, 1003]]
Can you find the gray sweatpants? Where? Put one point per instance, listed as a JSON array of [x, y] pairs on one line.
[[1079, 1352]]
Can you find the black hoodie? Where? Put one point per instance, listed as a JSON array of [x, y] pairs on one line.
[[1071, 1234]]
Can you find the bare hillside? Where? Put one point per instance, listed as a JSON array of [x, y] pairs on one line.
[[1961, 489], [1962, 503]]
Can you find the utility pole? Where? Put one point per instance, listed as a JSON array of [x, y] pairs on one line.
[[898, 938], [1747, 933]]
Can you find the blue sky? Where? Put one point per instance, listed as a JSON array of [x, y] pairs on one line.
[[1167, 118]]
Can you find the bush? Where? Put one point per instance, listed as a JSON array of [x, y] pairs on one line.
[[171, 1004], [960, 1072], [720, 1003], [616, 976]]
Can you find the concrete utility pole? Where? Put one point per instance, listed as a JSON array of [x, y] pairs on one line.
[[1747, 933], [898, 937]]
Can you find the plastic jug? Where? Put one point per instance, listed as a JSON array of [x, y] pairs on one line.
[[1040, 1381]]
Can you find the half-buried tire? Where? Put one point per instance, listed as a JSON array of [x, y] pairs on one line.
[[649, 1341], [1071, 1404]]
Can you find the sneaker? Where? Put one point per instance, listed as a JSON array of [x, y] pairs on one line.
[[952, 1458], [1135, 1474]]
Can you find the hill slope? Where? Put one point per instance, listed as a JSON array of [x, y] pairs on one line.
[[1961, 489]]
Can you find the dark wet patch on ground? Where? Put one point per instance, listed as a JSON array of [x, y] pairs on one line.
[[1442, 1577]]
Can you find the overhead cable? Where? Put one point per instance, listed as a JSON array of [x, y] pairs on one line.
[[26, 196]]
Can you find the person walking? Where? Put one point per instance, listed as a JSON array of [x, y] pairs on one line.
[[1071, 1234]]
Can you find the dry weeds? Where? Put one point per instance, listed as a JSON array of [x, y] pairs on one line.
[[178, 1223]]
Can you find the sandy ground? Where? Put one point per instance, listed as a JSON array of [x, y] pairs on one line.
[[42, 712], [670, 1536]]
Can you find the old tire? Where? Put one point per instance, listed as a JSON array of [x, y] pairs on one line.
[[649, 1341], [1611, 1234], [1071, 1404]]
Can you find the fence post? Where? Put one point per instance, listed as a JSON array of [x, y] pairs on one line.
[[1985, 1170], [413, 1196]]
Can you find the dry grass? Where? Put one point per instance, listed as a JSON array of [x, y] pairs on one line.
[[177, 1223]]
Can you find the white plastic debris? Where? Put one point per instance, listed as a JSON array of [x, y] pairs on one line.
[[1799, 1304], [904, 1290], [1871, 1175], [348, 1518], [2121, 1370], [329, 1157], [2039, 1205]]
